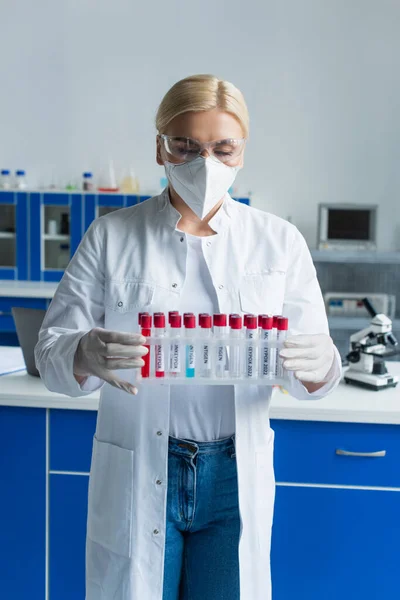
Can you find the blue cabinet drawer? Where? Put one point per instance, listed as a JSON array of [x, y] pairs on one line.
[[306, 452], [71, 438], [6, 304]]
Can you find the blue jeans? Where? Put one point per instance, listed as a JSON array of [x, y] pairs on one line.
[[203, 523]]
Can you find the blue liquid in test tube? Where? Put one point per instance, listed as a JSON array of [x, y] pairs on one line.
[[190, 357]]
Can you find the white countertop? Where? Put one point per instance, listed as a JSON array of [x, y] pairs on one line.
[[346, 404], [27, 289]]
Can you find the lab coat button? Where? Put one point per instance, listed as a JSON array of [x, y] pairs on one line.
[[221, 287], [120, 303], [208, 243], [156, 532], [158, 482], [159, 432], [182, 239], [174, 285]]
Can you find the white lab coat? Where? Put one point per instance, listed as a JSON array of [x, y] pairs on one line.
[[134, 260]]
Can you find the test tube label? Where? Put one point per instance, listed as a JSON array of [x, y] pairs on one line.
[[250, 361], [176, 358], [191, 357], [221, 355], [206, 355], [160, 359]]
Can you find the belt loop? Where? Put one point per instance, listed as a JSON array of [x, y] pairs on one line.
[[233, 438]]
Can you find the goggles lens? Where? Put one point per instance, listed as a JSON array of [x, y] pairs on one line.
[[185, 149]]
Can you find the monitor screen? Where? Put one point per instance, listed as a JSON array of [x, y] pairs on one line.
[[350, 224]]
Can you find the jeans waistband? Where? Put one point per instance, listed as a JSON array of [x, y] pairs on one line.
[[191, 447]]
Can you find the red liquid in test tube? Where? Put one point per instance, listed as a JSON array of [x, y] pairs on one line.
[[145, 323]]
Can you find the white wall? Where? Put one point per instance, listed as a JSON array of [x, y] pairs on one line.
[[81, 81]]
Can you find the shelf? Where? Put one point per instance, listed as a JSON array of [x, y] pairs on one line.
[[6, 235], [355, 323], [353, 256], [57, 237]]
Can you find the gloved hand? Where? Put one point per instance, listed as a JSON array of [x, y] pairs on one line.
[[309, 356], [101, 350]]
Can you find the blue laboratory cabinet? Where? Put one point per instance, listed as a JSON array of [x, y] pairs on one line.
[[336, 526], [40, 231]]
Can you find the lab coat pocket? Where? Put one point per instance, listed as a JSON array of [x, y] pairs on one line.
[[110, 498], [125, 296], [262, 293]]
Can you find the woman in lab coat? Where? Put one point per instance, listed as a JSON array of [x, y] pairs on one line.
[[181, 489]]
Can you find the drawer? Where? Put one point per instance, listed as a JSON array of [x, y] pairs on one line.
[[306, 452], [6, 304], [71, 439]]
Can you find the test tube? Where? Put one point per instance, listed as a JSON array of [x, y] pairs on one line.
[[175, 346], [159, 353], [251, 348], [272, 352], [189, 321], [236, 331], [260, 318], [266, 334], [145, 323], [281, 334], [205, 323], [220, 356]]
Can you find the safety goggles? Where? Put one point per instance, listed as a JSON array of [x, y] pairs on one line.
[[186, 149]]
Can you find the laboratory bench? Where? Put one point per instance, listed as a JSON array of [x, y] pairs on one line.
[[336, 527]]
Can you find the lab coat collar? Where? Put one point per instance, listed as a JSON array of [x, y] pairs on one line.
[[218, 223]]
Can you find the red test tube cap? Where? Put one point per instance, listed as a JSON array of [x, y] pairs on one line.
[[146, 321], [171, 313], [219, 320], [267, 322], [159, 320], [189, 321], [205, 321], [260, 318], [176, 321], [283, 323], [252, 322], [275, 321], [140, 315], [235, 321]]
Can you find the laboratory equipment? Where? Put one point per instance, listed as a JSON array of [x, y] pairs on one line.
[[251, 348], [220, 354], [350, 304], [205, 323], [175, 345], [368, 349], [236, 325], [20, 180], [265, 336], [52, 227], [145, 323], [347, 227], [5, 179], [281, 334], [87, 183], [213, 354], [159, 351], [189, 321]]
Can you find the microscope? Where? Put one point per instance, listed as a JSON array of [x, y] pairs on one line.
[[368, 349]]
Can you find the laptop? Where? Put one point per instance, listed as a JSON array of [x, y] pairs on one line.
[[28, 322]]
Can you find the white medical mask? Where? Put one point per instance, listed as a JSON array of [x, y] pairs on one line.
[[201, 183]]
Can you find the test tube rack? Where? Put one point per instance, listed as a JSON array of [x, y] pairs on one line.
[[222, 360]]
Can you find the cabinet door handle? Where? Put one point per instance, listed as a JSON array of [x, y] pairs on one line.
[[378, 454]]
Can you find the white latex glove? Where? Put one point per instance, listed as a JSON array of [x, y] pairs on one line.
[[309, 356], [101, 350]]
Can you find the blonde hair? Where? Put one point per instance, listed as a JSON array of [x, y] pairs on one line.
[[202, 93]]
